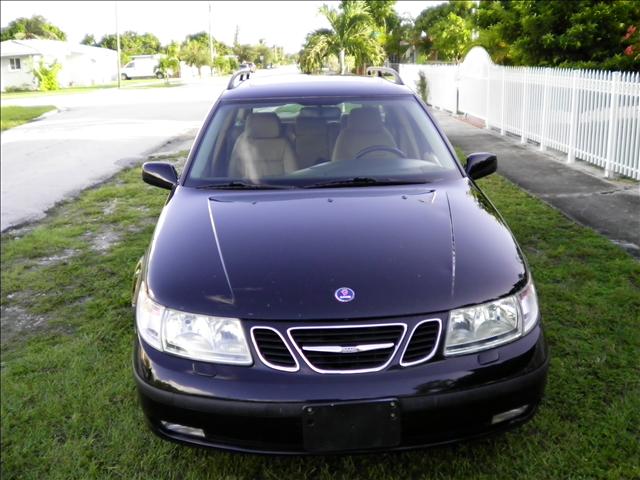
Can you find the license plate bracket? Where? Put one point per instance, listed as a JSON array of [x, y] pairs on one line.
[[344, 426]]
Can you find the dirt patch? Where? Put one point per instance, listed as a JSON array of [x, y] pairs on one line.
[[16, 320], [16, 233], [58, 258], [102, 242], [110, 207]]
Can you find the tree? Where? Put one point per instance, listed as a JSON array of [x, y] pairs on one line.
[[34, 27], [398, 37], [351, 33], [264, 53], [451, 37], [381, 11], [434, 22], [580, 33], [245, 52], [89, 39], [195, 54], [132, 43], [392, 31], [219, 48], [315, 51], [170, 63]]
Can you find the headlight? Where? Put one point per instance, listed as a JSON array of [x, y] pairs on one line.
[[491, 324], [198, 337]]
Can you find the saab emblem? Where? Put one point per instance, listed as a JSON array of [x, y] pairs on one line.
[[345, 294]]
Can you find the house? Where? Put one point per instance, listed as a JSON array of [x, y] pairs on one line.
[[82, 65]]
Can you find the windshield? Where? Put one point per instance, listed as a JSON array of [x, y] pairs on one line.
[[320, 142]]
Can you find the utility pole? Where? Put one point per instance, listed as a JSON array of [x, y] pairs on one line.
[[118, 44], [210, 39]]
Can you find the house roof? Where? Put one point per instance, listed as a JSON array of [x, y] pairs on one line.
[[54, 48]]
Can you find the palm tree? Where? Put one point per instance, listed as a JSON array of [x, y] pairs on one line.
[[351, 33]]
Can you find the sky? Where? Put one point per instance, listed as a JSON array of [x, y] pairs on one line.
[[283, 23]]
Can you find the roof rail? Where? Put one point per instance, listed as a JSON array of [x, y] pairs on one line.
[[380, 71], [243, 73]]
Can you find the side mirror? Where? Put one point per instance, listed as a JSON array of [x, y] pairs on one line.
[[481, 164], [159, 174]]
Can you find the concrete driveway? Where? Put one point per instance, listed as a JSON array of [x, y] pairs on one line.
[[91, 138]]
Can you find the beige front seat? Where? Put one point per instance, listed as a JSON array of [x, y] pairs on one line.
[[261, 150], [364, 129]]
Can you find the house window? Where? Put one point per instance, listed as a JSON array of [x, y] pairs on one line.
[[14, 64]]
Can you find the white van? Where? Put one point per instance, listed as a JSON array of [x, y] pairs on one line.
[[141, 66]]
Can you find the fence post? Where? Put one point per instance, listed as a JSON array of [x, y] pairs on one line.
[[543, 129], [486, 124], [613, 123], [525, 95], [573, 122], [502, 103]]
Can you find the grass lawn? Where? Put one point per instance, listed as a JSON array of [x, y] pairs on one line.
[[69, 406], [13, 116]]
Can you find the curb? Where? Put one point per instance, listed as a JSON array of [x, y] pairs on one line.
[[49, 114]]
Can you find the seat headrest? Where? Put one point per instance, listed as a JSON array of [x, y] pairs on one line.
[[331, 113], [309, 112], [263, 125], [310, 126], [365, 119]]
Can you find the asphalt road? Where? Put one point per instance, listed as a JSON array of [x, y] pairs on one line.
[[92, 137]]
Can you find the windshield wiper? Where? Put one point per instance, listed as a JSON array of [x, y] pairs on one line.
[[364, 182], [236, 185]]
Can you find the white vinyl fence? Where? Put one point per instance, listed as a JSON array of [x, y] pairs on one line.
[[589, 115]]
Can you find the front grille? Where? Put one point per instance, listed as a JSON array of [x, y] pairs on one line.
[[422, 344], [272, 349], [351, 349]]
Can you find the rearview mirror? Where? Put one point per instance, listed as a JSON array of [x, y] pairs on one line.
[[481, 164], [160, 174]]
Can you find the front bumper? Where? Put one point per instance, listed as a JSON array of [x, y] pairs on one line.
[[256, 409]]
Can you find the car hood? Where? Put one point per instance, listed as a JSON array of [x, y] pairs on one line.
[[283, 254]]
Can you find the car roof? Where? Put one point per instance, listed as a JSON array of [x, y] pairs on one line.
[[280, 86]]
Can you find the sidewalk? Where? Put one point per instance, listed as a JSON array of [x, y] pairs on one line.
[[611, 207]]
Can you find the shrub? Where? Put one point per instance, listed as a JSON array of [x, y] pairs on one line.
[[225, 65], [423, 86], [221, 64], [47, 76], [25, 87]]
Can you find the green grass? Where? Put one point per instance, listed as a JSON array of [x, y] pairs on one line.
[[14, 116], [69, 407]]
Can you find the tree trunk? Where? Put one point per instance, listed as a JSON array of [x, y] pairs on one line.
[[341, 60]]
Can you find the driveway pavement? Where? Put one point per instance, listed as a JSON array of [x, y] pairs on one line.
[[92, 137], [611, 207]]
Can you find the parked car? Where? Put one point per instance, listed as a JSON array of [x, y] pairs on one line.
[[142, 67], [248, 65], [325, 276]]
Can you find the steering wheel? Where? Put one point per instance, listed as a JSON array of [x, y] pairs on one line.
[[380, 148]]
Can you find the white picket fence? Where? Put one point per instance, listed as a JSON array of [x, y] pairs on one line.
[[589, 115]]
